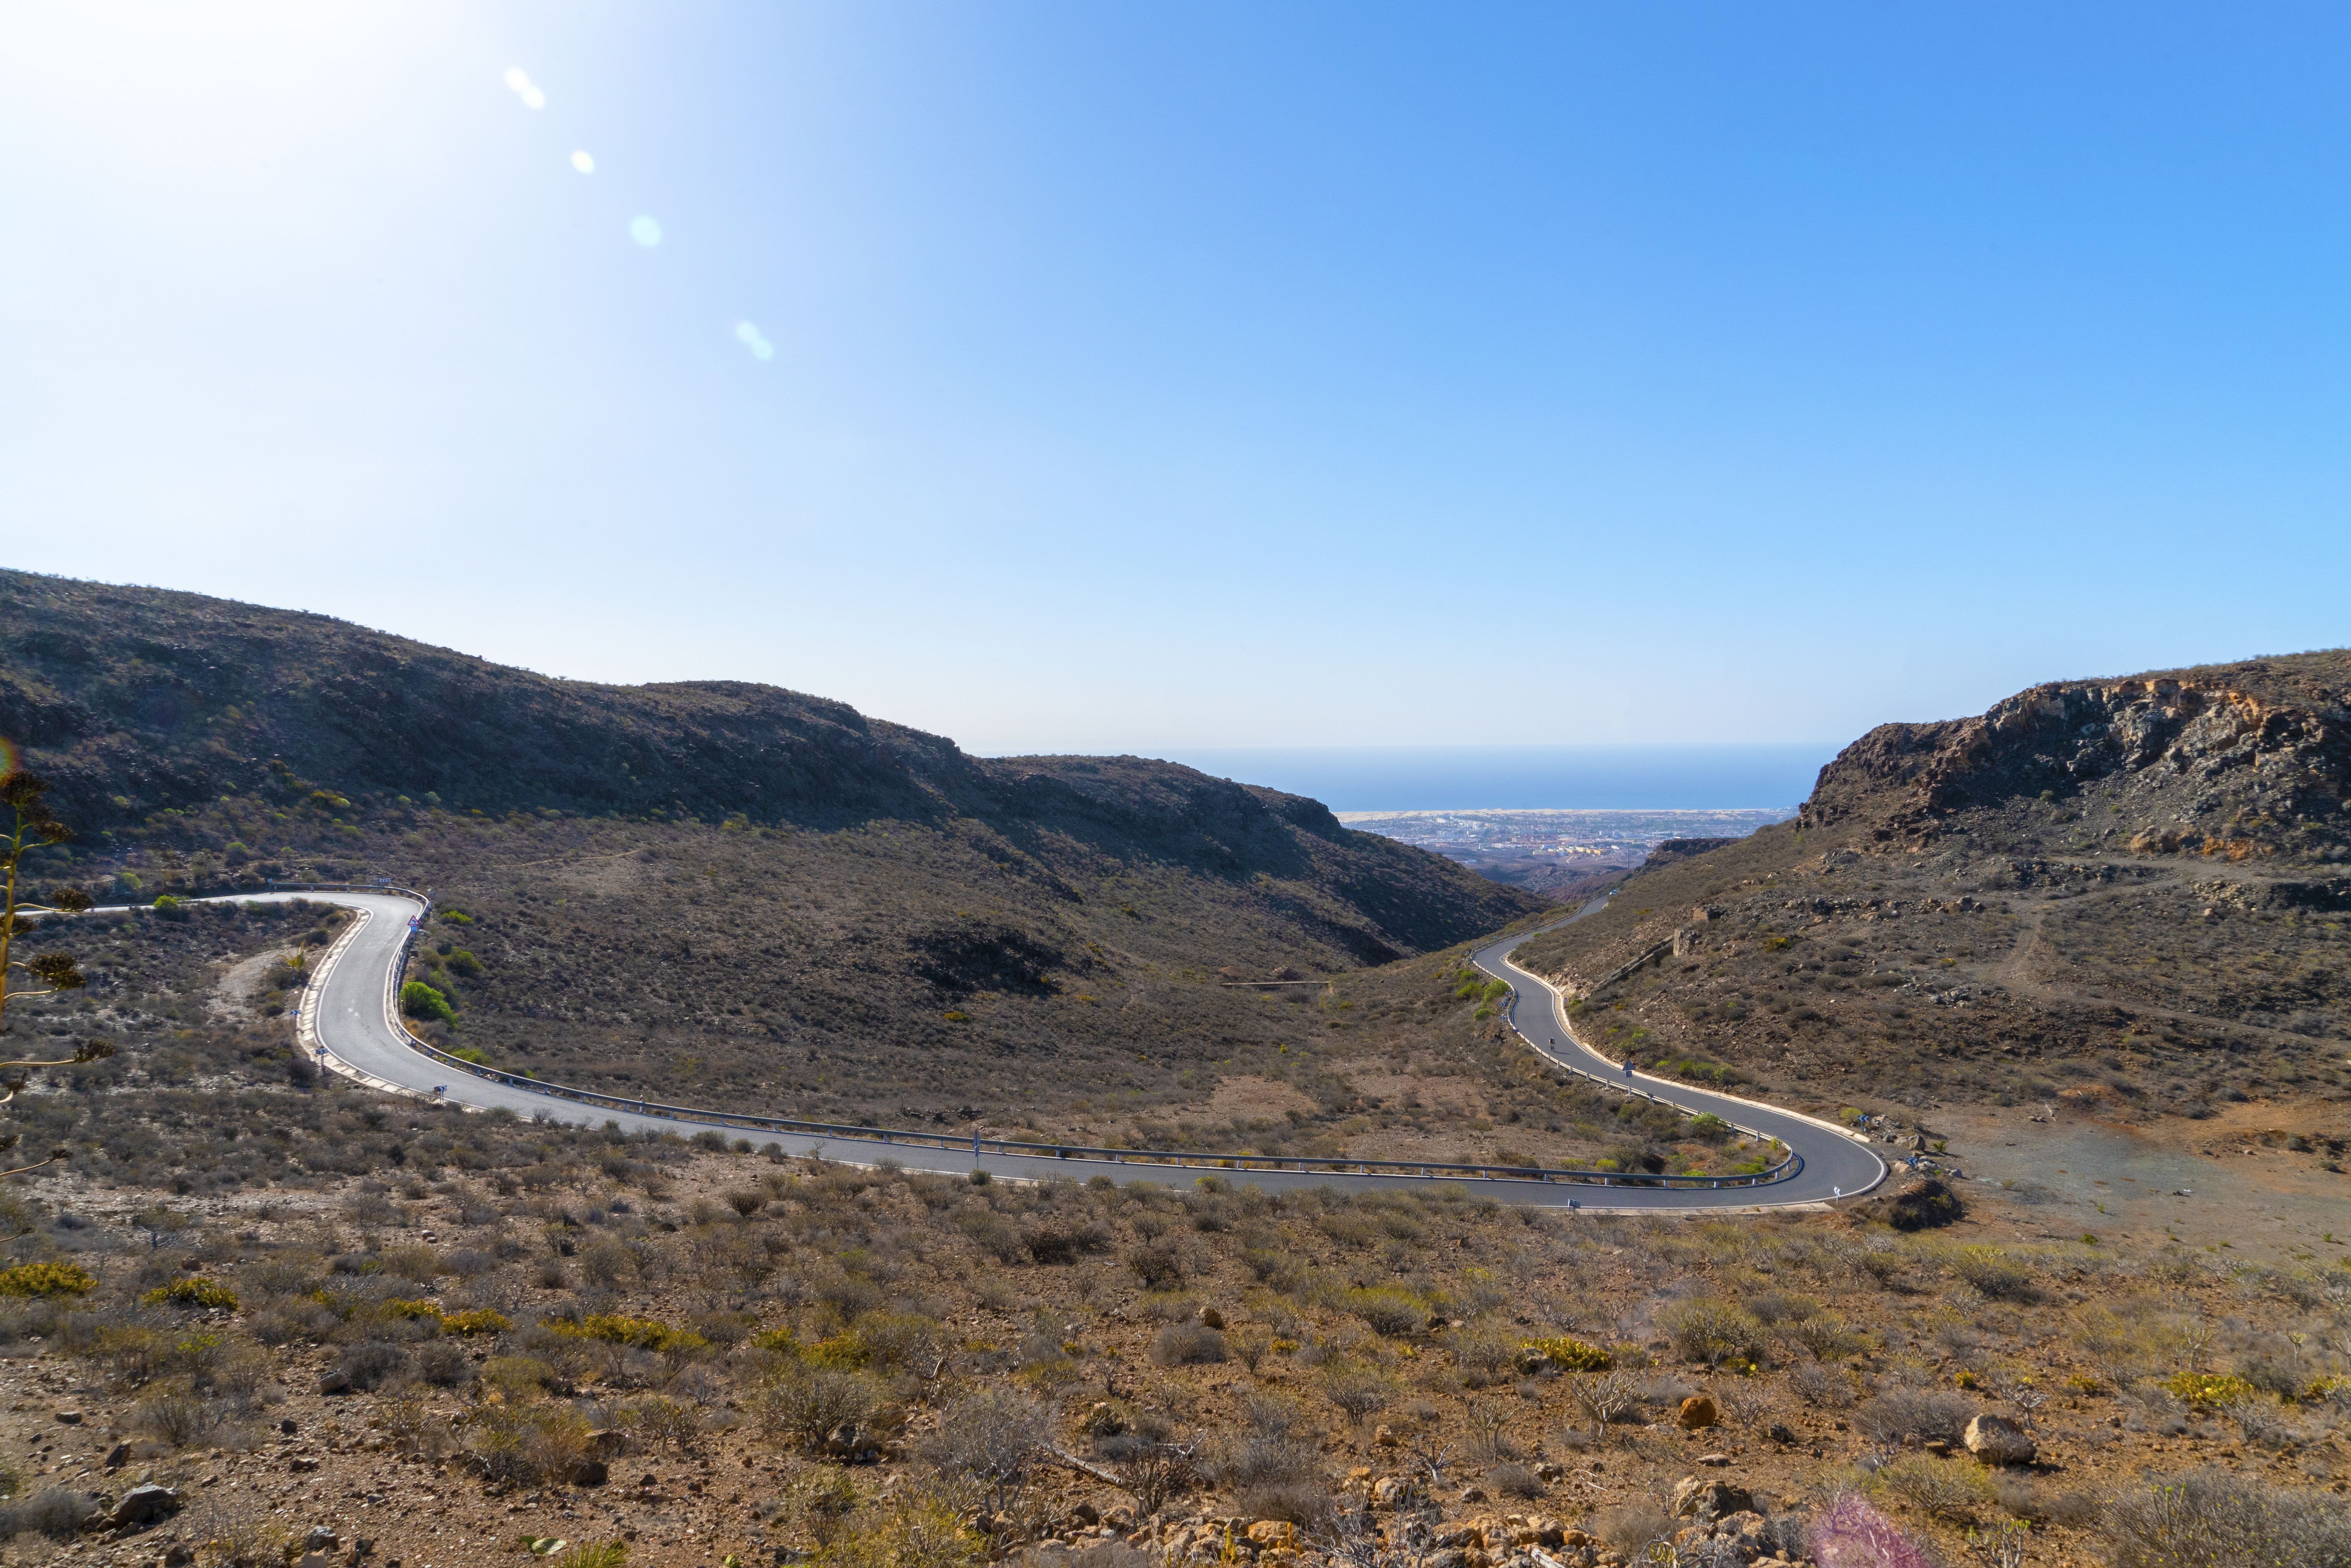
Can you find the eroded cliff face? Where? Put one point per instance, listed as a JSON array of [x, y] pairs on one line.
[[2125, 894], [2188, 765]]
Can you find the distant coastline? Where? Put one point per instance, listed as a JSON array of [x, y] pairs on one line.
[[1398, 780]]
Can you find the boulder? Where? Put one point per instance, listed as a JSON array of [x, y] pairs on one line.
[[1697, 1413], [1211, 1318], [1996, 1440], [607, 1443], [588, 1471], [334, 1380], [143, 1506], [1384, 1436], [1272, 1532], [1708, 1501]]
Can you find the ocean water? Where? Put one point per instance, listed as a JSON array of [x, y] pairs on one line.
[[1526, 778]]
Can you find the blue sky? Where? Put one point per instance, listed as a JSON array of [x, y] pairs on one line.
[[1150, 377]]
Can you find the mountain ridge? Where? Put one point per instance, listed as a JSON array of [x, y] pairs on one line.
[[2121, 893]]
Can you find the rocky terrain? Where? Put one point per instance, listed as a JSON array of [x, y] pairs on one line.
[[2127, 897], [257, 1316], [705, 889], [671, 1353]]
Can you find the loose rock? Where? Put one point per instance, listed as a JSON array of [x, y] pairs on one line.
[[1708, 1501], [1996, 1440], [143, 1506]]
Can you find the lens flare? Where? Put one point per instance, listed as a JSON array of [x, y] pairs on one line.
[[518, 82], [8, 763], [748, 334], [584, 163], [645, 231]]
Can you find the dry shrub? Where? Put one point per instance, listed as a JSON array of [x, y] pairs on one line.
[[442, 1363], [1484, 1354], [805, 1405], [1773, 1307], [1491, 1441], [920, 1527], [182, 1419], [1608, 1397], [1156, 1473], [1629, 1526], [52, 1511], [538, 1443], [1945, 1490], [1825, 1337], [370, 1364], [664, 1423], [1822, 1388], [892, 1340], [1263, 1459], [1993, 1272], [413, 1427], [1387, 1310], [2027, 1499], [2213, 1519], [1358, 1394], [1303, 1502], [1712, 1331], [607, 1262], [992, 1439], [1515, 1480], [236, 1531], [418, 1263], [1919, 1414], [1159, 1265], [1187, 1345]]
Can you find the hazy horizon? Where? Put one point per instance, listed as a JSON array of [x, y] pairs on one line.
[[1524, 778]]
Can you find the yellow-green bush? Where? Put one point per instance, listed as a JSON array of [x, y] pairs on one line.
[[916, 1529], [1570, 1355], [412, 1310], [191, 1293], [46, 1280], [841, 1352], [648, 1334], [480, 1320], [2208, 1388]]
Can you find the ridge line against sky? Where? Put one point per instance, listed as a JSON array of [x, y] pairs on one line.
[[1068, 381]]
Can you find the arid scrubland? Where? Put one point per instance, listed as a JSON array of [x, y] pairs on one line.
[[516, 1331]]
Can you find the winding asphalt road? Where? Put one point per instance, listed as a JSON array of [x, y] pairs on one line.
[[350, 1017]]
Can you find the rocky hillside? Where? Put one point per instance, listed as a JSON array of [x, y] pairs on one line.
[[2243, 762], [684, 887], [2123, 894]]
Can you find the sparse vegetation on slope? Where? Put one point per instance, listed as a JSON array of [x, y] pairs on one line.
[[2129, 893], [710, 890]]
